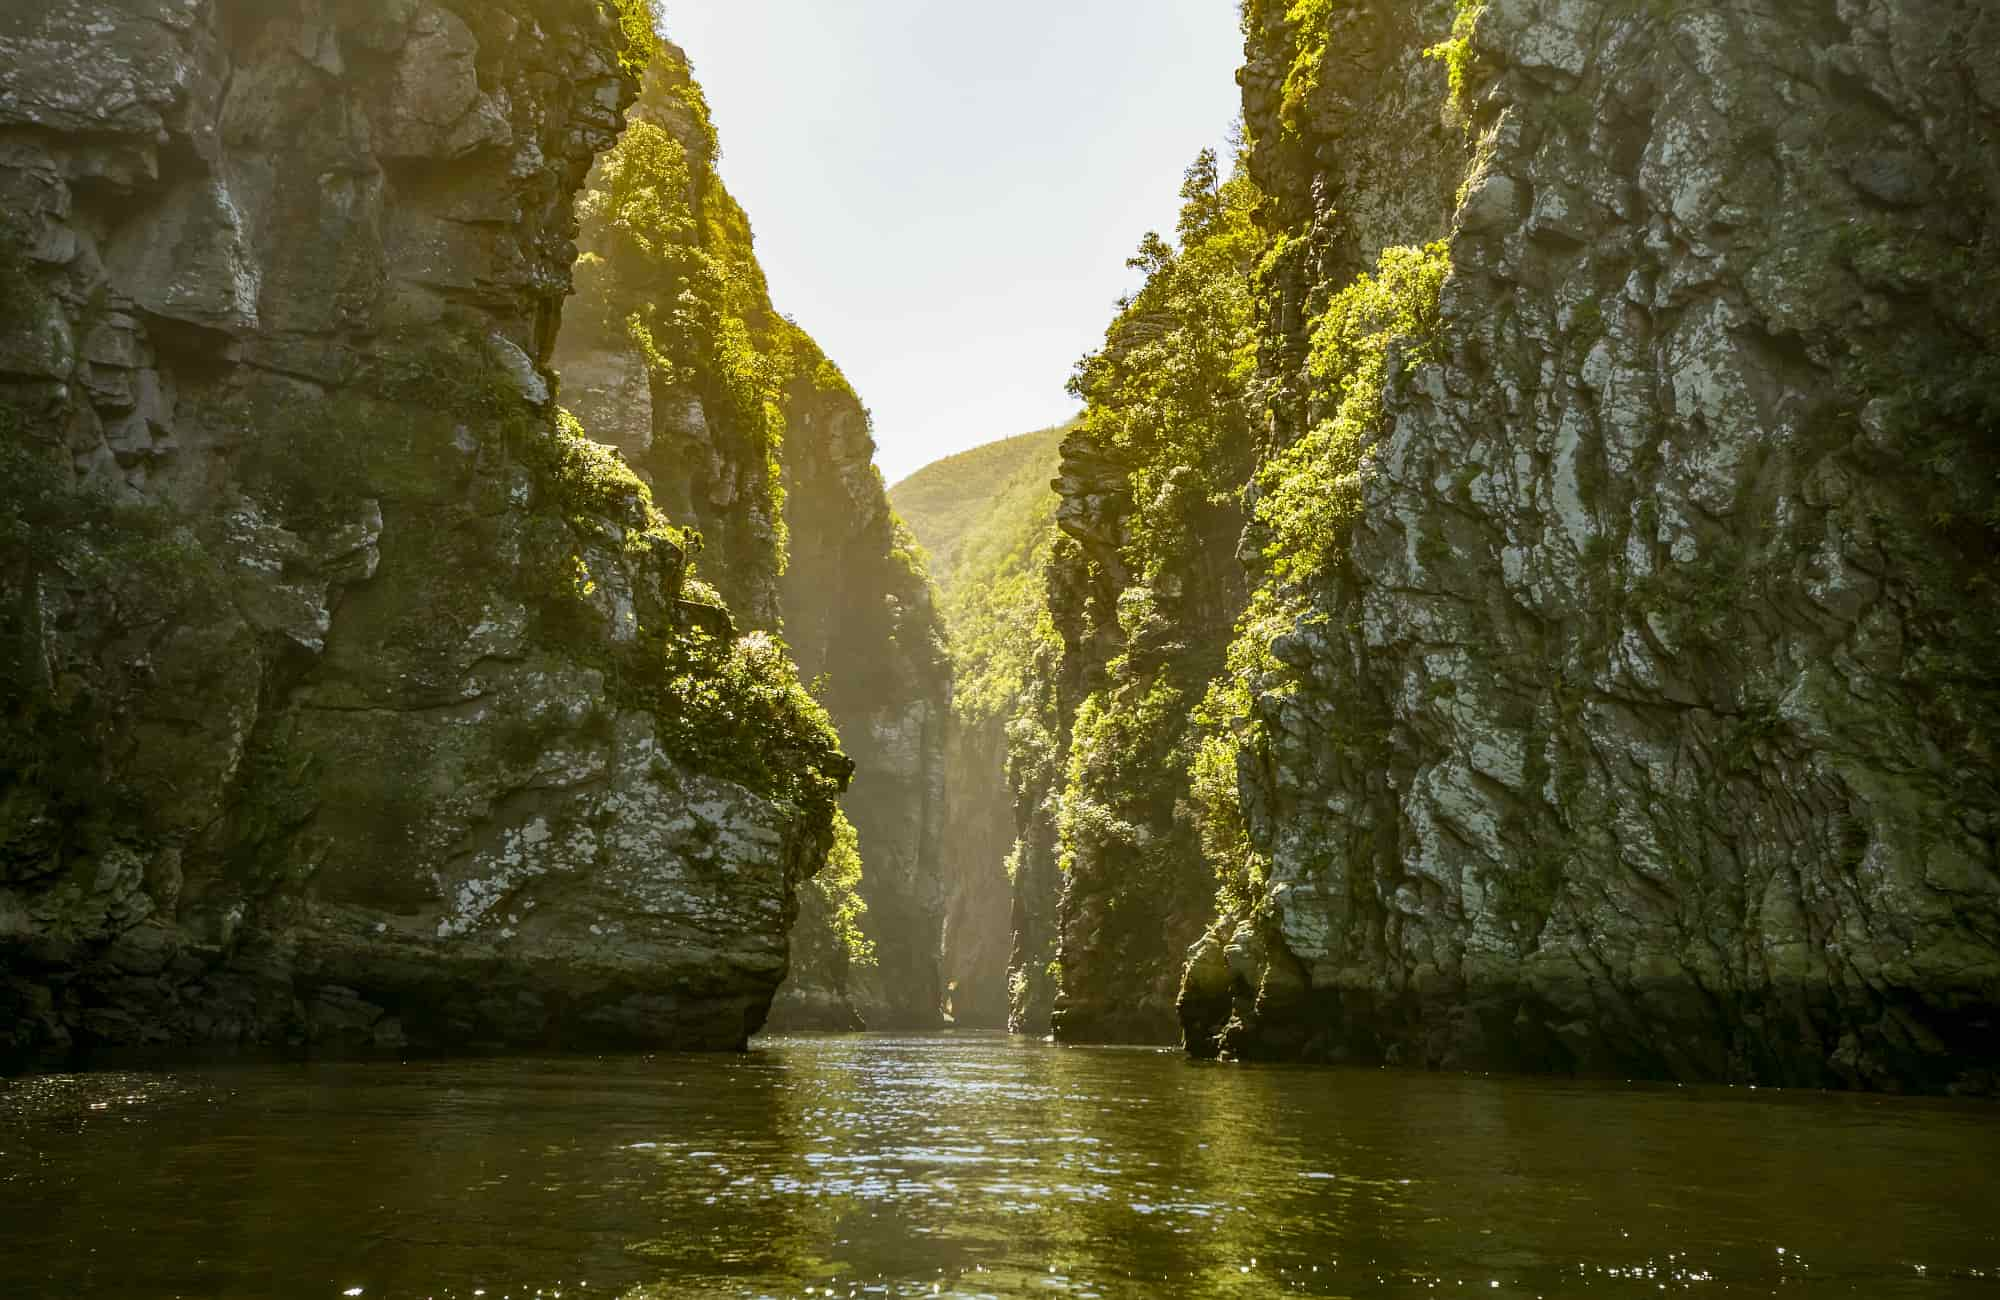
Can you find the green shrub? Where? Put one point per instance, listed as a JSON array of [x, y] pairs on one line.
[[738, 710], [1457, 56], [1311, 490], [832, 935]]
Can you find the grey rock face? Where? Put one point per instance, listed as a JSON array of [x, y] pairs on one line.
[[1644, 727], [307, 736]]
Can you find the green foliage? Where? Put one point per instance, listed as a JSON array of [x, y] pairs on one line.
[[1228, 729], [1311, 490], [994, 601], [734, 709], [590, 478], [973, 501], [906, 555], [1129, 752], [831, 934], [1309, 24], [668, 265], [1166, 399], [1166, 392], [738, 710], [638, 31], [1310, 495], [839, 883], [1457, 56]]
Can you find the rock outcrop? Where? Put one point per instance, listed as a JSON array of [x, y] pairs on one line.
[[351, 693], [1642, 717], [1140, 590], [747, 431]]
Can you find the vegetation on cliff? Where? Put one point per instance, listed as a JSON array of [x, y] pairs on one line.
[[986, 519], [757, 440], [1307, 497], [1133, 596], [353, 691], [669, 267]]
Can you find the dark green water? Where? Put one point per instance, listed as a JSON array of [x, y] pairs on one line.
[[975, 1166]]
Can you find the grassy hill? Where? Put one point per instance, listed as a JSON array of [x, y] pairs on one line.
[[997, 486]]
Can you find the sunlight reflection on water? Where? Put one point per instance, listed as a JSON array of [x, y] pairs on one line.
[[973, 1166]]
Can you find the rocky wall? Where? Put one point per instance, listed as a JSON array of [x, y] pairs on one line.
[[337, 690], [745, 430], [1645, 725]]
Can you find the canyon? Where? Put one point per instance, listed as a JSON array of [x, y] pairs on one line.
[[1519, 594]]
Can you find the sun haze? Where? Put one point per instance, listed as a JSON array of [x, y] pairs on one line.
[[945, 194]]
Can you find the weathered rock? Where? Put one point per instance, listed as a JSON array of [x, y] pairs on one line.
[[334, 702], [797, 532], [1644, 725]]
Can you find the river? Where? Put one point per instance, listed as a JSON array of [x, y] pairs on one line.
[[968, 1165]]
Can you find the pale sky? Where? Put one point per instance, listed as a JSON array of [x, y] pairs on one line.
[[945, 192]]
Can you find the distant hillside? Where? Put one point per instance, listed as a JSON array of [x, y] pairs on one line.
[[944, 502], [987, 517]]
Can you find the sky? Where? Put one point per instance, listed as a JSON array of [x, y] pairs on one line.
[[945, 192]]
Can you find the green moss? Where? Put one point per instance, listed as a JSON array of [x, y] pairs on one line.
[[590, 482], [738, 710]]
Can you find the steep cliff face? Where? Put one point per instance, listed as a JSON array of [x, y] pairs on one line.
[[986, 518], [350, 692], [1140, 593], [1630, 704], [742, 426], [859, 611]]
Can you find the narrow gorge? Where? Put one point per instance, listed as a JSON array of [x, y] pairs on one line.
[[1519, 593]]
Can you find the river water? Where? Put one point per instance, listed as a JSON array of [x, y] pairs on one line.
[[974, 1166]]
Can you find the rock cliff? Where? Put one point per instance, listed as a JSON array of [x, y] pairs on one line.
[[1629, 702], [985, 518], [745, 429], [351, 693], [1138, 592]]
